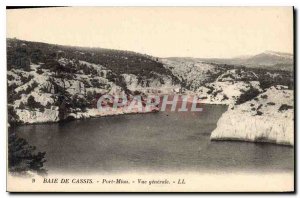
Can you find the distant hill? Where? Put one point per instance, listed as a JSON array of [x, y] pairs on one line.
[[271, 58], [267, 60]]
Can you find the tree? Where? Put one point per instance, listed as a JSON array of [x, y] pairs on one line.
[[13, 118], [18, 58], [31, 102], [36, 56], [22, 157]]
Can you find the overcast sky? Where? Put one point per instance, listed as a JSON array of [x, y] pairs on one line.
[[163, 32]]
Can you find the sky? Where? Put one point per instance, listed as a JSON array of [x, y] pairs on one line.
[[203, 32]]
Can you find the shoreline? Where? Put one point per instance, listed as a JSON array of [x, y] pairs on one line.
[[81, 118], [251, 141], [107, 115]]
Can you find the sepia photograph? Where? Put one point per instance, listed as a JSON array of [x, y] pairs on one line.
[[150, 99]]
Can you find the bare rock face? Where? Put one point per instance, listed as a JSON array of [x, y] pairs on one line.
[[30, 116], [42, 95], [192, 74], [157, 84], [269, 117]]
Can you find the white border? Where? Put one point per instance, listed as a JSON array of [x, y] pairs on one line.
[[5, 3]]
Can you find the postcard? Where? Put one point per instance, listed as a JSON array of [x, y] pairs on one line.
[[150, 99]]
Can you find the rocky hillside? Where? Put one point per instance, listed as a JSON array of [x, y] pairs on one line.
[[48, 83], [222, 83], [192, 73], [260, 99], [236, 86]]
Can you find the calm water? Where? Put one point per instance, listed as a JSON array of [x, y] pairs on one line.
[[161, 141]]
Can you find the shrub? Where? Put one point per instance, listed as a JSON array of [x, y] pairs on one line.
[[92, 99], [25, 79], [86, 84], [96, 83], [136, 93], [248, 95], [225, 97], [259, 107], [39, 71], [21, 106], [29, 89], [32, 104], [285, 107], [48, 105], [210, 90], [259, 113], [10, 78], [12, 95], [271, 103], [264, 96], [44, 89], [216, 92], [78, 102]]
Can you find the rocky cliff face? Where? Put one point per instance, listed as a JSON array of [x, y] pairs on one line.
[[158, 84], [269, 117], [49, 83], [193, 74], [38, 95]]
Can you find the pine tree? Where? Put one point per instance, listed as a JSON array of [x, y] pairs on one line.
[[22, 157]]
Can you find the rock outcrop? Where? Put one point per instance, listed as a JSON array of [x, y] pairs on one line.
[[269, 117]]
